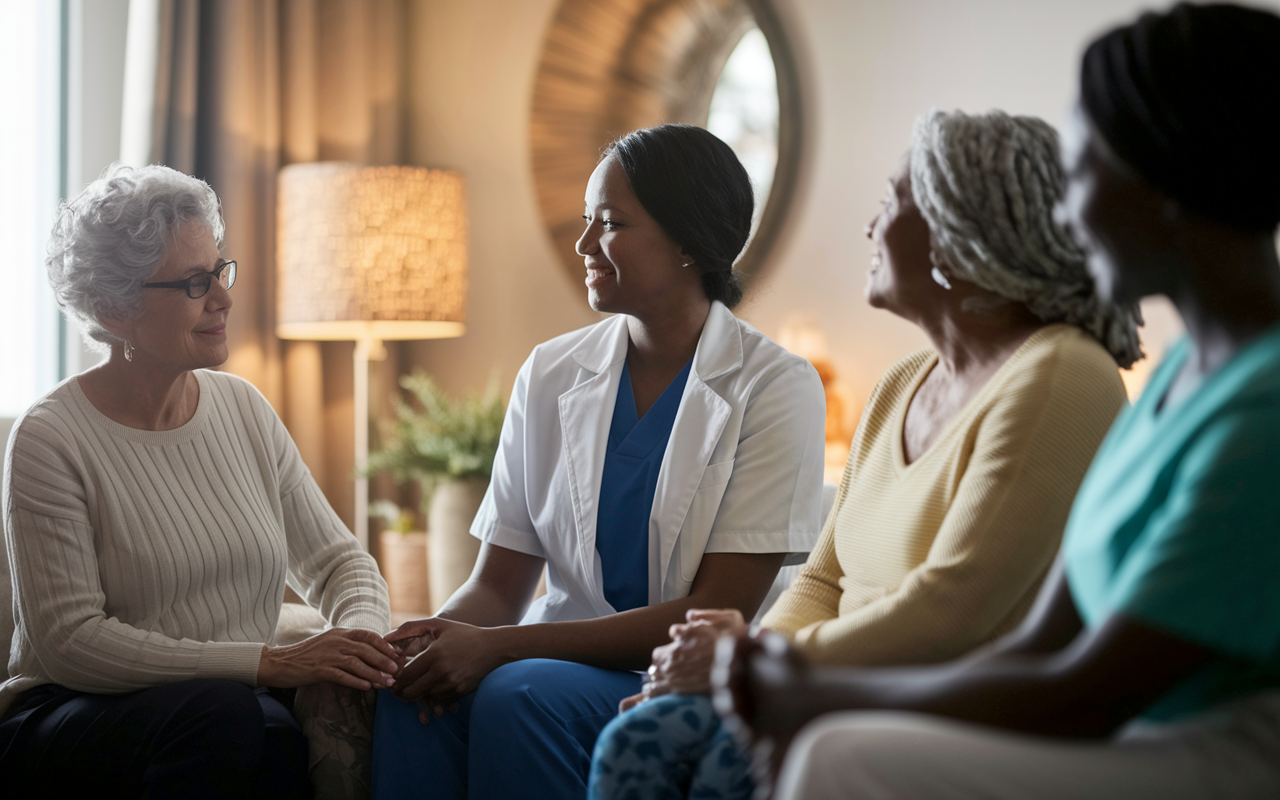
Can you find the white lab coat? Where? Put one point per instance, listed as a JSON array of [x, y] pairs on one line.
[[742, 471]]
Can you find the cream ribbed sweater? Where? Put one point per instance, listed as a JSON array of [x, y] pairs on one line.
[[140, 558], [923, 562]]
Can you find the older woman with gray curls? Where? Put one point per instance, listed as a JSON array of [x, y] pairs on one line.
[[154, 512], [965, 462]]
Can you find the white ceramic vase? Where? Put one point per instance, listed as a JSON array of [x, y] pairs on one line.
[[451, 549]]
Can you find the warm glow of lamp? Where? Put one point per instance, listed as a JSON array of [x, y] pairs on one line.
[[369, 254]]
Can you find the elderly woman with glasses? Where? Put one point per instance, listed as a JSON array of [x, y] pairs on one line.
[[154, 512]]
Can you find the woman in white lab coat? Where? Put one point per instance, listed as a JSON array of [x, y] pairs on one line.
[[667, 458]]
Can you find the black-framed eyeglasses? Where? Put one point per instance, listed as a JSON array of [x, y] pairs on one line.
[[197, 286]]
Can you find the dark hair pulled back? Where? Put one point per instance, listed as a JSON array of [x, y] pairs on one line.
[[694, 187], [1190, 98]]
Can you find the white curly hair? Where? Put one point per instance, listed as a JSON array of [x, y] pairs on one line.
[[112, 236], [986, 185]]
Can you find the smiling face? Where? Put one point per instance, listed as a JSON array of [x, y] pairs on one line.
[[173, 331], [899, 279], [1121, 222], [633, 267]]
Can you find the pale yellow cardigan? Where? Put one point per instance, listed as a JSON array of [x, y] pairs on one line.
[[923, 562]]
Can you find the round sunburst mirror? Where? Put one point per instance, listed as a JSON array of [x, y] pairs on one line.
[[611, 66]]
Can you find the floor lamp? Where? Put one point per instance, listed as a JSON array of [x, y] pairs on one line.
[[369, 254]]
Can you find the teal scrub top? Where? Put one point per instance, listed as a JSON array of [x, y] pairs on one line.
[[1177, 524]]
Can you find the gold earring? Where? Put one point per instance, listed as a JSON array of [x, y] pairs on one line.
[[128, 351]]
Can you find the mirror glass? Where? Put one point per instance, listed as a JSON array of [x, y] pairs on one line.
[[611, 66], [744, 112]]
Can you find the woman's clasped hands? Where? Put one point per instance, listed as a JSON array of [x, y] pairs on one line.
[[443, 661], [683, 666]]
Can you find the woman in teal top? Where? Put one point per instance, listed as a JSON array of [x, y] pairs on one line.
[[1150, 666], [1177, 524]]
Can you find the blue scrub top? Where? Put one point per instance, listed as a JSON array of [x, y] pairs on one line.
[[1177, 525], [631, 463]]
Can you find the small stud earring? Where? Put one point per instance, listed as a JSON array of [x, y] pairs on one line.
[[688, 263], [939, 278], [128, 351]]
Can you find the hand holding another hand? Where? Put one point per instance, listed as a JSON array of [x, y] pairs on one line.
[[411, 638], [447, 661], [357, 659], [684, 665]]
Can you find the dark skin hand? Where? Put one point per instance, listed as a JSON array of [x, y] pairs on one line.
[[477, 631], [1051, 677]]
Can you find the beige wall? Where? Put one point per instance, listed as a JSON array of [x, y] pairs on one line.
[[871, 66], [471, 69]]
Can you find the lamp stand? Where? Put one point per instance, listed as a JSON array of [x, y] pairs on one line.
[[366, 350]]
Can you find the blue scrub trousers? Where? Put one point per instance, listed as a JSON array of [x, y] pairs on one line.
[[528, 731]]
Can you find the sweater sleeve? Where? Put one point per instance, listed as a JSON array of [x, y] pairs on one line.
[[1030, 452], [58, 598], [327, 566], [814, 596]]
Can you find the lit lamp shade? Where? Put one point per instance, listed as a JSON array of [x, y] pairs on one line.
[[370, 253]]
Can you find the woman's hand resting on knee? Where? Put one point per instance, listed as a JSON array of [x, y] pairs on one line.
[[684, 665], [356, 659]]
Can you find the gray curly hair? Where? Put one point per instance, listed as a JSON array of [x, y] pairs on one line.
[[112, 236], [986, 185]]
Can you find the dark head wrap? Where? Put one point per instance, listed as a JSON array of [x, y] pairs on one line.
[[1190, 98]]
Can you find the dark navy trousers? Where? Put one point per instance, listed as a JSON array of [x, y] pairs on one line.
[[193, 739]]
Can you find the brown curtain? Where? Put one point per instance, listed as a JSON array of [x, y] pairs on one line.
[[242, 88]]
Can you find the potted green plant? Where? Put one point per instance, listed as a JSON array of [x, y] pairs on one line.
[[447, 445]]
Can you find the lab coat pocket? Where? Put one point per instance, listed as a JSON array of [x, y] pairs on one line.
[[701, 516]]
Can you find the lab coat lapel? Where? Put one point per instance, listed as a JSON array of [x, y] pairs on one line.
[[586, 412], [694, 436]]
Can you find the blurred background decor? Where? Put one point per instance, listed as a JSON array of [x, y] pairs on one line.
[[802, 334], [367, 254], [446, 446], [404, 559]]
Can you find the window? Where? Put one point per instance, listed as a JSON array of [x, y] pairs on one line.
[[30, 140]]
